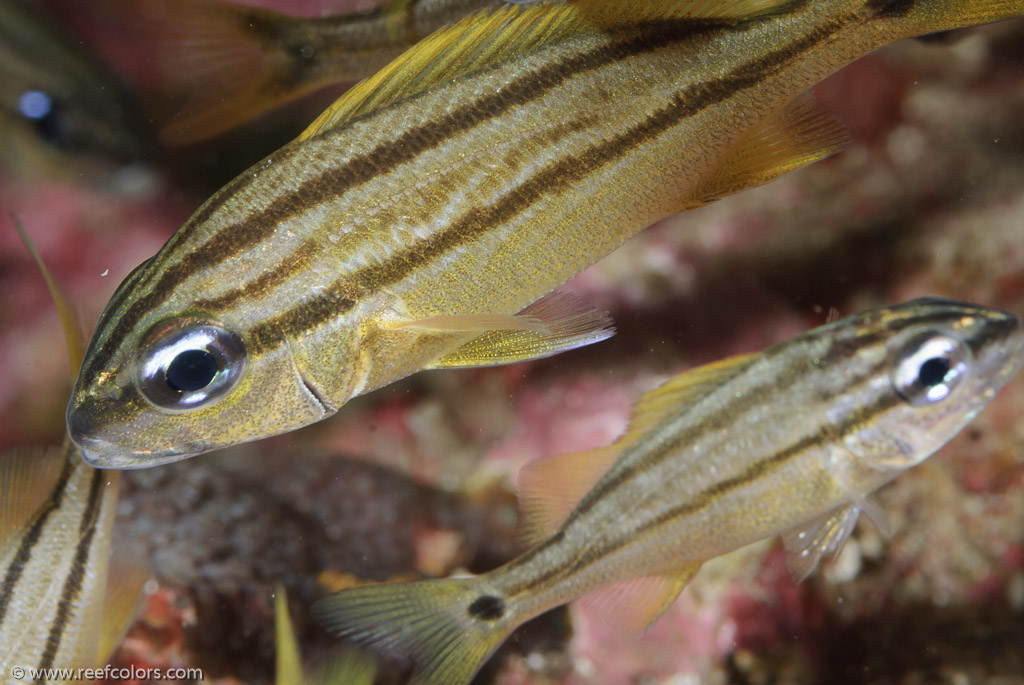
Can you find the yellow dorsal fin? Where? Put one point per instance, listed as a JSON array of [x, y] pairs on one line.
[[67, 321], [27, 475], [635, 604], [678, 391], [490, 36]]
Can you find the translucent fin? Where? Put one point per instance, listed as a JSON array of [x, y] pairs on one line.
[[475, 323], [806, 545], [554, 324], [126, 577], [350, 667], [490, 36], [791, 137], [636, 604], [432, 622], [551, 487], [289, 664], [229, 60], [72, 337], [27, 475], [665, 400]]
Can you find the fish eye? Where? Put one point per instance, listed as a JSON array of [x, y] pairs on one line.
[[929, 367], [47, 116], [188, 363]]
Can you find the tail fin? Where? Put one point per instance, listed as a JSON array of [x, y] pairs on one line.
[[227, 61], [447, 627]]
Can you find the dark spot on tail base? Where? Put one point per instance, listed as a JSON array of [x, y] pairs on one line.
[[890, 9], [487, 608]]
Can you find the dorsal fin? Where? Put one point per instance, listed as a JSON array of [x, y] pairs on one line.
[[660, 403], [489, 36], [72, 337], [551, 487]]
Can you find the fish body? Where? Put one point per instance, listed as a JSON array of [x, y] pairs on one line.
[[408, 226], [62, 115], [62, 605], [236, 62], [792, 440], [54, 566]]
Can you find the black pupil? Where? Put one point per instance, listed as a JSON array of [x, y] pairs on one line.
[[191, 370], [933, 372]]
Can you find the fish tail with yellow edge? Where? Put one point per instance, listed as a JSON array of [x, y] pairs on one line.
[[230, 63], [447, 627], [917, 17]]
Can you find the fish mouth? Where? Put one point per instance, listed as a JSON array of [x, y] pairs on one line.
[[103, 454]]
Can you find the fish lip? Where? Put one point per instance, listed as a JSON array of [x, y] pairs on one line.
[[103, 454]]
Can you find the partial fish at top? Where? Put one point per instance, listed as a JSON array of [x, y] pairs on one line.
[[412, 222], [792, 440], [236, 62], [62, 115]]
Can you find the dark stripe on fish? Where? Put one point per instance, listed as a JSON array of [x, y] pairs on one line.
[[32, 537], [76, 575]]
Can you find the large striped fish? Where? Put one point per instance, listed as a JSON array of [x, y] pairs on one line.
[[60, 604], [408, 226], [792, 440]]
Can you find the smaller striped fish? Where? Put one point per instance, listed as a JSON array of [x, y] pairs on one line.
[[792, 440], [58, 606]]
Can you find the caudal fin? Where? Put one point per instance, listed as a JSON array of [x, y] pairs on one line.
[[228, 62], [448, 627]]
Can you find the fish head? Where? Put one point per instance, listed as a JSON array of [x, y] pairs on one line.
[[929, 366], [168, 376]]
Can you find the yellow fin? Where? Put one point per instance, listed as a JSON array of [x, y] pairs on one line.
[[490, 36], [475, 323], [350, 667], [27, 475], [289, 663], [551, 487], [126, 577], [554, 324], [660, 403], [72, 337], [636, 604], [791, 137]]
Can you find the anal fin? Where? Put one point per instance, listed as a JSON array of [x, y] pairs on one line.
[[556, 323], [797, 134], [636, 604]]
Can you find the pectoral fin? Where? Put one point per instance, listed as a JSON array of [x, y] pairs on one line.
[[553, 324], [806, 545]]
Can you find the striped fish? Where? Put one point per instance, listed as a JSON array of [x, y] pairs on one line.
[[413, 222], [236, 62], [792, 440], [58, 604]]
